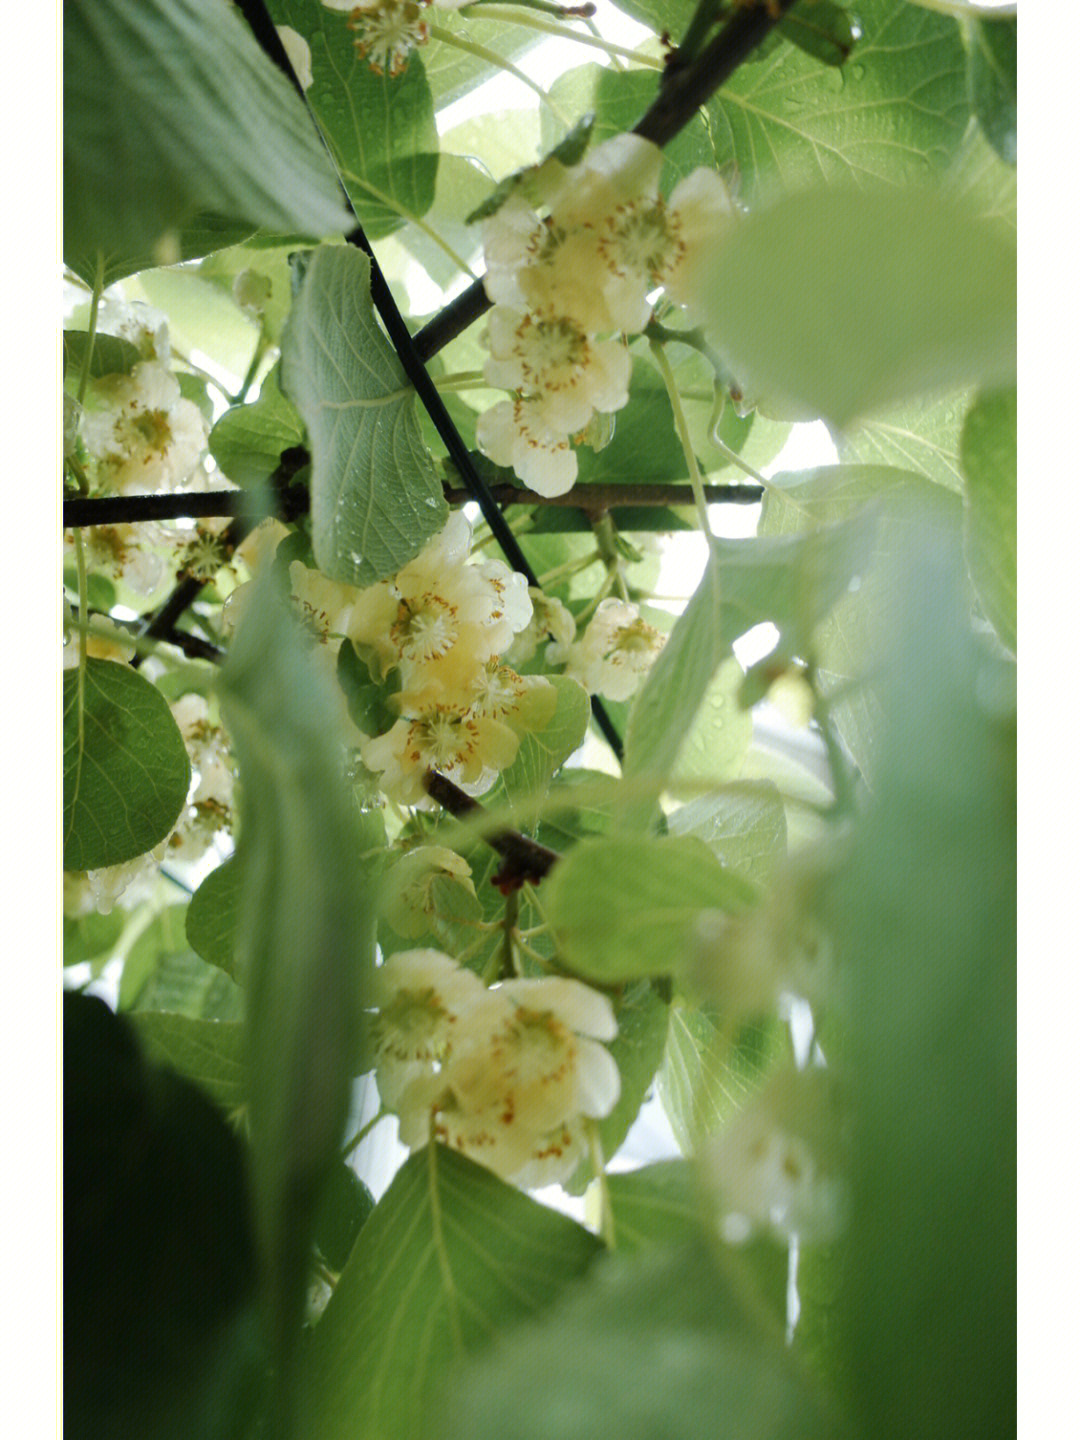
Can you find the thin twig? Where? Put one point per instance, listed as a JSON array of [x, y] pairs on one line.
[[524, 859]]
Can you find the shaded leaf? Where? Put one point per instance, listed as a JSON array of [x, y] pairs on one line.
[[248, 440], [211, 917], [207, 1052], [743, 824], [988, 455], [992, 82], [170, 109], [710, 1071], [126, 776], [660, 1204]]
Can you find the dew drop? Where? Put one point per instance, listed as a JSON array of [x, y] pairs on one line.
[[857, 71]]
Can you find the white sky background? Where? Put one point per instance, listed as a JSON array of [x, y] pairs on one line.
[[1049, 754]]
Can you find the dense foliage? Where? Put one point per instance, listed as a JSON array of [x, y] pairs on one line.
[[401, 794]]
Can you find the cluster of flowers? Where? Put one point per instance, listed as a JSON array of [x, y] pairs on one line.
[[507, 1076], [560, 284]]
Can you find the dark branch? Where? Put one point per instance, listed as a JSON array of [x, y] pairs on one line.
[[242, 504], [524, 860]]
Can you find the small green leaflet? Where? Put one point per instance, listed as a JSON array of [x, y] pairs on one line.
[[211, 917], [376, 496], [248, 439], [988, 455], [172, 109], [126, 770], [450, 1258], [624, 908]]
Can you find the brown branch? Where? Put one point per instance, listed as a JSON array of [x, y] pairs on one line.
[[598, 499], [523, 859]]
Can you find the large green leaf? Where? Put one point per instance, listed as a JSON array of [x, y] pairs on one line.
[[449, 1259], [207, 1052], [660, 1346], [925, 934], [161, 1329], [835, 303], [126, 771], [380, 128], [376, 497], [895, 113], [171, 108], [625, 908], [305, 924], [922, 436], [988, 455], [541, 752]]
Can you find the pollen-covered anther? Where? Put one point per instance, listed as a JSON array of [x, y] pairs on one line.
[[389, 32]]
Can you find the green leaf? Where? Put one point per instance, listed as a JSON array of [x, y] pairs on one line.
[[452, 72], [207, 1052], [660, 1345], [162, 973], [637, 1050], [541, 752], [211, 917], [111, 355], [835, 303], [743, 824], [992, 82], [645, 449], [707, 1075], [895, 113], [305, 927], [161, 1325], [925, 934], [171, 108], [660, 1204], [821, 29], [346, 1205], [248, 440], [126, 770], [922, 436], [847, 645], [380, 128], [793, 585], [449, 1259], [624, 908], [376, 497], [91, 937], [988, 455]]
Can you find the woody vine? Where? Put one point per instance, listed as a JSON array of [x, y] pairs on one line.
[[425, 847]]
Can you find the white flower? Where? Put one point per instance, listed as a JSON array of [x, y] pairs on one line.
[[213, 778], [775, 1165], [514, 433], [550, 617], [615, 653], [144, 436], [388, 31], [514, 1090], [699, 212], [323, 606], [468, 749], [105, 641], [299, 53], [570, 374]]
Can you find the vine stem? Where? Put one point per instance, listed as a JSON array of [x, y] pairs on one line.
[[697, 484], [491, 57], [364, 1132], [564, 32], [80, 548], [596, 1157]]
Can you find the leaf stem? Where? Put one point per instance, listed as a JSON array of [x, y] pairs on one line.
[[364, 1131], [596, 1157], [491, 57], [564, 32], [683, 432], [413, 218]]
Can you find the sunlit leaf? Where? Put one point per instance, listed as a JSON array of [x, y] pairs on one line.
[[988, 455]]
